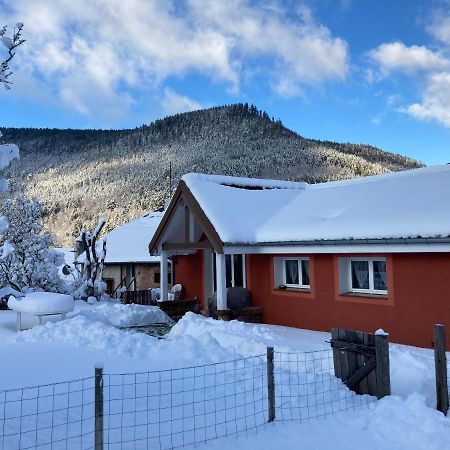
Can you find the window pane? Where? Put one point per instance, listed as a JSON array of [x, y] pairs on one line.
[[360, 274], [291, 266], [305, 272], [238, 271], [379, 275], [228, 270]]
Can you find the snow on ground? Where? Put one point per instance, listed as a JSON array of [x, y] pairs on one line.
[[194, 340], [390, 424], [66, 350]]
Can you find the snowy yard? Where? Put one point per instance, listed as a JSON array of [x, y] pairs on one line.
[[69, 350]]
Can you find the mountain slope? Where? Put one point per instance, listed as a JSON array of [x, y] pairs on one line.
[[82, 174]]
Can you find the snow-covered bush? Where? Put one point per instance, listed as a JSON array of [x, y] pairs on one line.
[[26, 257], [87, 271]]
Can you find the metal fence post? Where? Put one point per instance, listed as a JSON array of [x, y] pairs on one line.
[[382, 368], [270, 384], [98, 408], [440, 364]]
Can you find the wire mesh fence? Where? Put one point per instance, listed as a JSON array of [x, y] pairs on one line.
[[180, 407], [307, 388], [56, 416], [174, 408]]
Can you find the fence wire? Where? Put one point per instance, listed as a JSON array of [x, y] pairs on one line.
[[54, 416], [174, 408], [306, 388]]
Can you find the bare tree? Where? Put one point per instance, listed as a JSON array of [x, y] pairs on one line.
[[92, 253], [11, 43]]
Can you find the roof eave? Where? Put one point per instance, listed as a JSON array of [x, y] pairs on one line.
[[327, 242], [184, 192]]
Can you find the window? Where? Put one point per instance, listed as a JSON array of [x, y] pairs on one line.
[[367, 275], [109, 285], [235, 271], [292, 273], [156, 277]]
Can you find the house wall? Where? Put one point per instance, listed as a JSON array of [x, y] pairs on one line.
[[188, 271], [143, 273], [418, 298], [418, 295], [113, 272], [145, 276]]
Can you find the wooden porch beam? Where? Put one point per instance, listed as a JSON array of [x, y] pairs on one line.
[[186, 245]]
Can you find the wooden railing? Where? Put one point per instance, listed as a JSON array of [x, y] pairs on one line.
[[138, 297]]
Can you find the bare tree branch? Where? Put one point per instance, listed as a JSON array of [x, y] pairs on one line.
[[11, 43]]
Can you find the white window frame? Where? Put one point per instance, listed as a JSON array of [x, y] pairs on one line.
[[244, 270], [301, 285], [371, 289]]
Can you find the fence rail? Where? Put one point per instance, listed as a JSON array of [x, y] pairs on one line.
[[175, 408]]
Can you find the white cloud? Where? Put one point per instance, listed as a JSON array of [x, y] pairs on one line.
[[434, 67], [398, 56], [435, 103], [105, 52], [440, 27], [174, 103]]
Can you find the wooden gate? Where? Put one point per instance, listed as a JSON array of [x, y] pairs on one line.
[[361, 361]]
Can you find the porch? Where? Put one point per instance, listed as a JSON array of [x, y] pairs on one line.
[[218, 280], [188, 243]]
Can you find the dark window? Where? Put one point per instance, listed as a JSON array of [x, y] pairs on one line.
[[157, 277], [109, 285], [291, 267], [379, 275], [360, 274], [228, 270], [238, 270], [305, 272]]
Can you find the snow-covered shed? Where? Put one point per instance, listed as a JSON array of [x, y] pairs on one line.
[[366, 253], [128, 262]]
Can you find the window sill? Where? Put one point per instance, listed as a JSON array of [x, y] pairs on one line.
[[292, 289], [371, 295]]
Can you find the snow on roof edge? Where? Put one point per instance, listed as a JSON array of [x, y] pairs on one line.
[[308, 215], [244, 182]]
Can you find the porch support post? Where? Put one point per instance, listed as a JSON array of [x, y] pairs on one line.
[[221, 282], [164, 276]]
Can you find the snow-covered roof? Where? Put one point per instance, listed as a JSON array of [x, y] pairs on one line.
[[129, 242], [408, 204]]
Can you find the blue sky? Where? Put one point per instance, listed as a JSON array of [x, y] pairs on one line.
[[375, 72]]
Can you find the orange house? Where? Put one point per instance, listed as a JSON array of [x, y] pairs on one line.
[[363, 254]]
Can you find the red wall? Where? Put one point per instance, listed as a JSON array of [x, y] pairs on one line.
[[189, 273], [418, 297]]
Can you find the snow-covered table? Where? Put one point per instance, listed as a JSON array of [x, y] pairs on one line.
[[41, 304]]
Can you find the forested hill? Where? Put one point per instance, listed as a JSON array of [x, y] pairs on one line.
[[82, 174]]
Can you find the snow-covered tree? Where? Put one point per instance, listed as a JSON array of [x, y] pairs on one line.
[[10, 43], [89, 264], [26, 257], [8, 152]]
